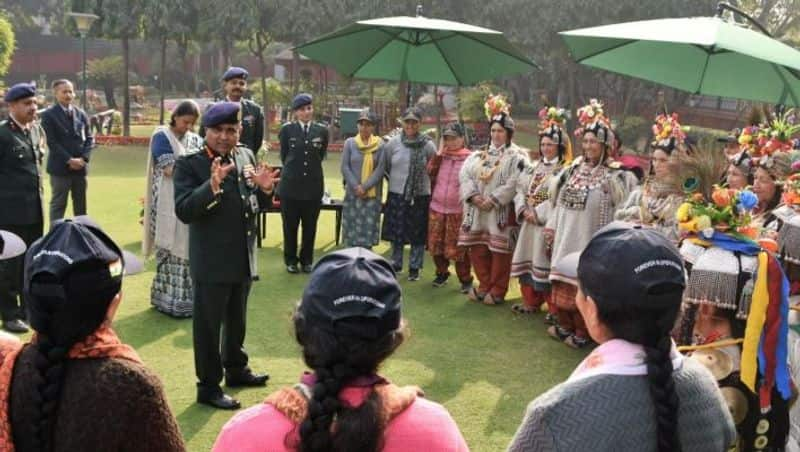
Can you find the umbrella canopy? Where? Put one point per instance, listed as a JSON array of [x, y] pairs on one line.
[[702, 55], [418, 49]]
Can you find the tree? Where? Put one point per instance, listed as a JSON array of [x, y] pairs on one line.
[[108, 73], [7, 44], [780, 17], [122, 19], [259, 43], [163, 21]]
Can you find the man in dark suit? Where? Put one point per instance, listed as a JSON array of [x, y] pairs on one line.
[[304, 145], [234, 86], [69, 142], [20, 195], [218, 193]]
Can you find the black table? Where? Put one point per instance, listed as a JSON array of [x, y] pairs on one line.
[[335, 205]]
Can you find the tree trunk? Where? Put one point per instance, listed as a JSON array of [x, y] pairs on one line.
[[108, 89], [295, 72], [261, 47], [225, 61], [126, 99], [183, 50], [161, 79]]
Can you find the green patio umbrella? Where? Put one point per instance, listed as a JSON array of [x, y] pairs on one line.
[[419, 50], [701, 55]]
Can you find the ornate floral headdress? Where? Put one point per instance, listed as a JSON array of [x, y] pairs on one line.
[[777, 135], [592, 118], [728, 211], [552, 124], [496, 104], [667, 132]]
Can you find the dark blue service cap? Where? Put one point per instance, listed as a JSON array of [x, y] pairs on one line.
[[235, 72], [648, 268], [71, 244], [353, 292], [20, 91], [301, 100], [222, 113]]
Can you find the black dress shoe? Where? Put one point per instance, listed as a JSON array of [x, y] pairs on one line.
[[15, 326], [221, 400], [245, 378], [292, 268], [308, 268]]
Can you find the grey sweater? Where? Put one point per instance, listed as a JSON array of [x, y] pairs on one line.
[[352, 161], [398, 162], [616, 413]]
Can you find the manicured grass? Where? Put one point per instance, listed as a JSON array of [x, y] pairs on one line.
[[483, 363]]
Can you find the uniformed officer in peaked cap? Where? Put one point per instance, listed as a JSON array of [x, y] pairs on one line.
[[218, 192], [304, 144], [20, 194]]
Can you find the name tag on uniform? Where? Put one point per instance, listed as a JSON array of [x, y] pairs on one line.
[[253, 203]]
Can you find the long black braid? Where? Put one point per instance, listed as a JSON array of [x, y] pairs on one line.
[[60, 322], [50, 363], [336, 360], [651, 328]]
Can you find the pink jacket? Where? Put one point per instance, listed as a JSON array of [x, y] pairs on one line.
[[423, 426], [445, 198]]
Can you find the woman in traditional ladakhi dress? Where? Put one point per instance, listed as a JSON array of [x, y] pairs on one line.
[[655, 203], [488, 185], [584, 198], [531, 261], [736, 304]]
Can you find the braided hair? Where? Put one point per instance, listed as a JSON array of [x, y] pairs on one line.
[[651, 327], [337, 359], [60, 322]]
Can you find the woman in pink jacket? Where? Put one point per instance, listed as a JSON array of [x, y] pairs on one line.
[[347, 323], [446, 210]]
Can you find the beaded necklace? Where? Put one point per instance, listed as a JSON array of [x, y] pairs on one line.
[[487, 168], [538, 191], [585, 179]]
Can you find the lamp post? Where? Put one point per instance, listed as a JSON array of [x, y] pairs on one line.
[[83, 22]]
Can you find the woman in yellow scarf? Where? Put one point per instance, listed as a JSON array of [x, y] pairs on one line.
[[362, 169]]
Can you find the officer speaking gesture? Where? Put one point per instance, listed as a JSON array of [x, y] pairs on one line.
[[218, 193]]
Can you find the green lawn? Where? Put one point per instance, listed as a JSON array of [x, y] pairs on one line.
[[483, 363]]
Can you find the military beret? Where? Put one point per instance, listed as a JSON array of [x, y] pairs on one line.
[[221, 113], [20, 91], [301, 100], [235, 72]]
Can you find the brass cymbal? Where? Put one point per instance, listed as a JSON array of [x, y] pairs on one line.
[[736, 401], [717, 361]]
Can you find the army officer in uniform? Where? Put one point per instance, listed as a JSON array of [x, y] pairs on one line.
[[234, 85], [218, 191], [304, 144], [21, 155]]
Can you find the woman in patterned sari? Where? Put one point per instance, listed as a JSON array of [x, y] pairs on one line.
[[171, 292]]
